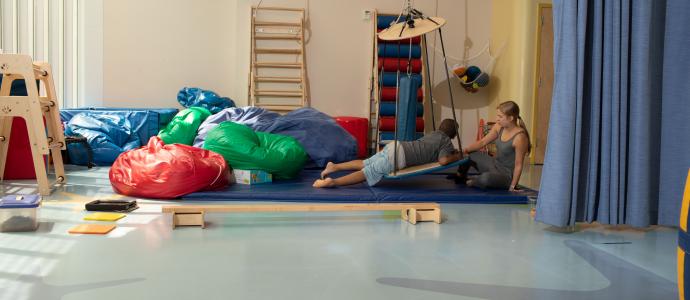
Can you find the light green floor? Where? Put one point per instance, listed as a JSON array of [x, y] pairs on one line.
[[479, 252]]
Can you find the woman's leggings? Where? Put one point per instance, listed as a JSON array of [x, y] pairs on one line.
[[491, 175]]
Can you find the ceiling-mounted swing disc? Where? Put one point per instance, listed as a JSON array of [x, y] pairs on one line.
[[421, 26]]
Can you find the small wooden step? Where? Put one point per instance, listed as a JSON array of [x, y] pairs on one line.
[[279, 79], [277, 51], [277, 37], [277, 24], [278, 65]]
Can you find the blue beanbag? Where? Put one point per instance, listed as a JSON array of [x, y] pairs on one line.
[[196, 97], [108, 136]]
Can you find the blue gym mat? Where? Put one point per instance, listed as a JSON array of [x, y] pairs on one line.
[[422, 188]]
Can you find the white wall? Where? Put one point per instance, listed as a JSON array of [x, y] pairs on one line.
[[151, 49], [91, 66], [154, 48]]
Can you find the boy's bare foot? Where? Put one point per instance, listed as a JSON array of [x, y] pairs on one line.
[[330, 168], [324, 183]]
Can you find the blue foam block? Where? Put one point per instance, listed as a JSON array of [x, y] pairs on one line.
[[390, 79], [399, 50], [383, 22]]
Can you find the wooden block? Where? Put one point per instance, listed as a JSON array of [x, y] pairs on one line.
[[188, 219], [412, 215], [429, 215]]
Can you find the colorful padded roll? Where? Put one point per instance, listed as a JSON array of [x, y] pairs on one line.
[[387, 109], [389, 135], [407, 108], [388, 124], [388, 94], [684, 243], [399, 64], [399, 50], [383, 22], [389, 78]]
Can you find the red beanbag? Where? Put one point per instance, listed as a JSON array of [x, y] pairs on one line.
[[167, 171]]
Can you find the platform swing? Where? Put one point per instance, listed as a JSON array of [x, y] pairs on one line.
[[409, 24]]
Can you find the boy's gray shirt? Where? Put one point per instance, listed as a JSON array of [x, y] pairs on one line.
[[428, 149]]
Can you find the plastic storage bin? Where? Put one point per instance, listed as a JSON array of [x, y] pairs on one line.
[[18, 213]]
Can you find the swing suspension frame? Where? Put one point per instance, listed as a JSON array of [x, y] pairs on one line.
[[410, 14]]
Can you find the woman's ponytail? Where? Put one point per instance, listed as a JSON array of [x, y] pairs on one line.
[[521, 123]]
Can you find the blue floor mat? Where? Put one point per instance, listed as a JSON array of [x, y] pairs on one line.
[[296, 190], [436, 188], [422, 188]]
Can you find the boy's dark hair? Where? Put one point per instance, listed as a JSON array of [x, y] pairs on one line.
[[449, 127]]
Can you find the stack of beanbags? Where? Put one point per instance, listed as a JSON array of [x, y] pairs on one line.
[[320, 135]]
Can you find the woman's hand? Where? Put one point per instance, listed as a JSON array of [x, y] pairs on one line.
[[512, 189]]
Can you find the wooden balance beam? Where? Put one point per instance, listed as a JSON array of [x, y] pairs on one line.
[[193, 215]]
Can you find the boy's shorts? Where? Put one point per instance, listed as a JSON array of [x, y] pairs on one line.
[[381, 164]]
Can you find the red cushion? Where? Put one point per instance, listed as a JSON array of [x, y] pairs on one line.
[[19, 163], [167, 171], [359, 128]]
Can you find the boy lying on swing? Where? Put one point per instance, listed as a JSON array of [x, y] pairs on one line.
[[436, 146]]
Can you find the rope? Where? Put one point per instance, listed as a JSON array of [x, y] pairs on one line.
[[450, 89], [428, 83]]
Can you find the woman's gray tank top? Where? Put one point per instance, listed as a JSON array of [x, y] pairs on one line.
[[505, 153]]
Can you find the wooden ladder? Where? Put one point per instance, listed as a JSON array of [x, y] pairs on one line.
[[277, 77], [44, 138]]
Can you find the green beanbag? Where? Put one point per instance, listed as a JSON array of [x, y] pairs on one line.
[[182, 129], [244, 149]]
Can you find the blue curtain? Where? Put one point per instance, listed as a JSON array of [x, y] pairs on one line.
[[619, 132]]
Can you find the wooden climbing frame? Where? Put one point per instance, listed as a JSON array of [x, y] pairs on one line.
[[41, 114]]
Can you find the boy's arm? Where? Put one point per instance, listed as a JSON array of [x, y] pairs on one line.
[[444, 160]]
